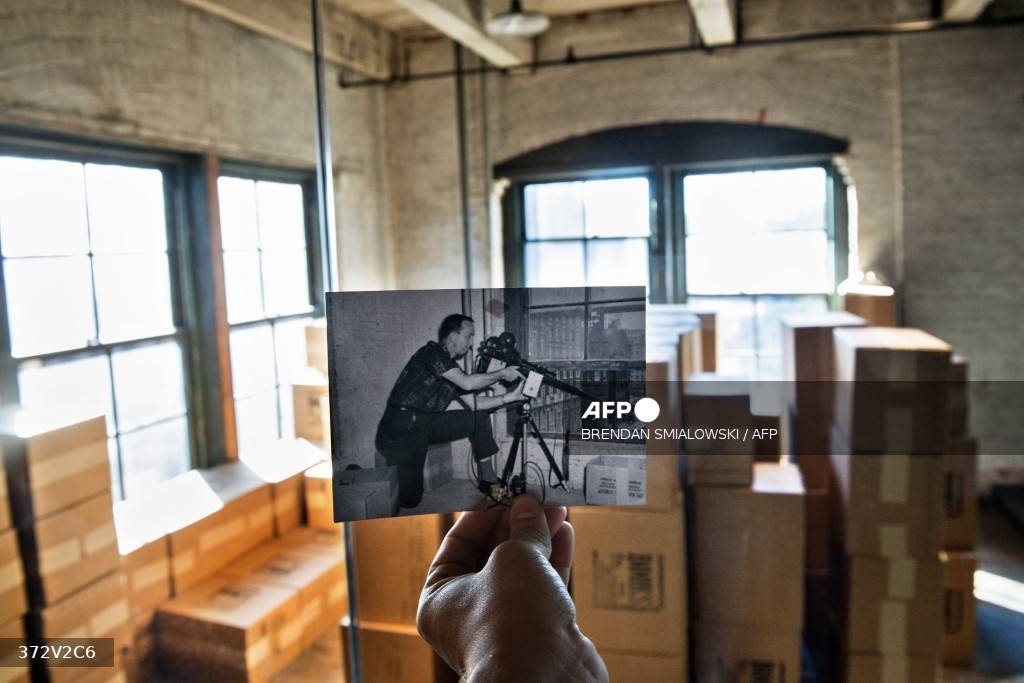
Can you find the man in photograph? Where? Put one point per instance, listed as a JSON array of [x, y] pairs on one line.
[[434, 401]]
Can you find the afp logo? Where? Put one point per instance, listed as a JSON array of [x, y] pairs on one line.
[[645, 410]]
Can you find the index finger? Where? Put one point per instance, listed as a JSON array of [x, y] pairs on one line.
[[464, 547]]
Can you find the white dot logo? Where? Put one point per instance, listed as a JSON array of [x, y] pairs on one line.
[[647, 410]]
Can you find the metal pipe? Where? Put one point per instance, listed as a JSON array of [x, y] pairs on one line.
[[460, 118]]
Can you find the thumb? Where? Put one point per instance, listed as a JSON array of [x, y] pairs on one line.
[[528, 524]]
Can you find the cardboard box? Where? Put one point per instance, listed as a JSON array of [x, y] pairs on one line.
[[735, 653], [767, 446], [309, 540], [214, 516], [614, 480], [888, 505], [630, 587], [316, 345], [11, 669], [959, 609], [878, 310], [309, 420], [394, 653], [98, 610], [437, 470], [958, 391], [891, 390], [392, 558], [140, 658], [809, 361], [818, 536], [281, 464], [229, 629], [73, 547], [147, 569], [748, 550], [690, 358], [52, 462], [717, 402], [318, 487], [365, 493], [894, 606], [960, 494], [891, 669], [12, 577], [5, 505], [719, 469], [625, 667], [663, 481], [708, 340]]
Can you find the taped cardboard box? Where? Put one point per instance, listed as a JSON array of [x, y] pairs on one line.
[[734, 653], [145, 557], [808, 359], [229, 629], [394, 653], [891, 390], [309, 540], [5, 505], [690, 358], [625, 667], [73, 547], [663, 481], [317, 485], [891, 669], [11, 669], [614, 480], [307, 392], [887, 505], [716, 403], [894, 606], [877, 309], [281, 464], [719, 469], [215, 516], [708, 340], [960, 494], [758, 581], [316, 345], [959, 609], [12, 577], [52, 462], [365, 493], [140, 658], [392, 558], [630, 587]]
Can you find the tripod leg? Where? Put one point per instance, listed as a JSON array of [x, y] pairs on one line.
[[547, 454], [513, 453]]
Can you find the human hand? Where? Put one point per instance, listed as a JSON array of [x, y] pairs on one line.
[[510, 374], [495, 604]]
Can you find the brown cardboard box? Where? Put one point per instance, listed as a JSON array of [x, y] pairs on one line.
[[719, 469], [887, 505], [309, 540], [140, 659], [891, 390], [891, 669], [12, 577], [663, 481], [624, 667], [767, 444], [758, 581], [319, 500], [394, 653], [214, 515], [5, 505], [690, 358], [818, 537], [667, 394], [307, 391], [809, 361], [733, 653], [11, 670], [229, 629], [147, 569], [877, 310], [708, 340], [958, 391], [316, 345], [805, 439], [717, 402], [74, 547], [960, 494], [52, 462], [894, 606], [392, 558], [281, 464], [959, 609], [629, 579]]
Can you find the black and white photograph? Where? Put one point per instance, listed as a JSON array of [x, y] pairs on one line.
[[461, 399]]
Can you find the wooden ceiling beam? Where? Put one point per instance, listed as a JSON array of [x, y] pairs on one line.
[[963, 10], [457, 20], [716, 21]]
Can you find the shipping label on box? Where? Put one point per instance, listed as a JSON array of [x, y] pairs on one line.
[[629, 581], [745, 654], [614, 480]]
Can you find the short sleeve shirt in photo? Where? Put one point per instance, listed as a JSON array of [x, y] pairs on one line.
[[421, 385]]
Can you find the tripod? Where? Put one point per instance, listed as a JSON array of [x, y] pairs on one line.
[[511, 485]]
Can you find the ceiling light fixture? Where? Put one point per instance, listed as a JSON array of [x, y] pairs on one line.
[[518, 23]]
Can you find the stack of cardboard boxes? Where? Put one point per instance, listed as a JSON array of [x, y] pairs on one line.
[[719, 448], [12, 586], [58, 479], [887, 445], [310, 401]]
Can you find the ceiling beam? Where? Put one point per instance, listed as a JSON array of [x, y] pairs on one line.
[[716, 21], [962, 10], [349, 40], [457, 20]]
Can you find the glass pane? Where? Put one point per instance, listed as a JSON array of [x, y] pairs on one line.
[[553, 210], [73, 387], [256, 421], [290, 347], [554, 264], [126, 208], [556, 333], [153, 454], [252, 360], [735, 325], [770, 310], [767, 262], [281, 215], [620, 207], [133, 296], [617, 262], [285, 400], [718, 263], [616, 331], [545, 296], [149, 384], [242, 286], [285, 281], [237, 199], [49, 304], [42, 207]]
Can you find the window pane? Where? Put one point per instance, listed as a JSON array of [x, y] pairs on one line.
[[281, 215], [616, 331], [290, 347], [252, 360], [554, 210], [49, 303], [133, 296], [735, 325], [153, 454], [149, 384], [770, 310], [557, 295], [126, 208], [554, 264], [767, 262], [256, 420], [237, 199], [242, 286], [556, 333], [285, 281], [42, 207], [617, 262], [72, 387], [619, 207]]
